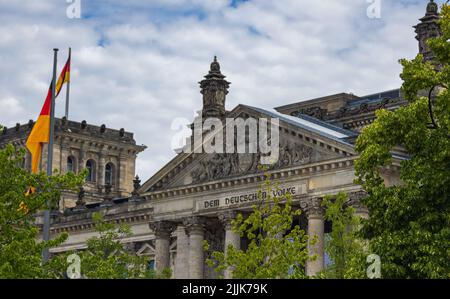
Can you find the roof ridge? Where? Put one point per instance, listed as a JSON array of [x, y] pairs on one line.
[[327, 125]]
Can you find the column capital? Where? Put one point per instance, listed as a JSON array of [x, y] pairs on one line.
[[312, 207], [195, 225], [161, 228], [355, 201], [226, 219]]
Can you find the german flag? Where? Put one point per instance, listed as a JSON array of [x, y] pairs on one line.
[[64, 77], [40, 133]]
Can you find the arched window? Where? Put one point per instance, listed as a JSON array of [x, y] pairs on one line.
[[90, 166], [71, 164], [109, 174]]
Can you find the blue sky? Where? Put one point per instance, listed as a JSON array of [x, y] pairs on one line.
[[136, 63]]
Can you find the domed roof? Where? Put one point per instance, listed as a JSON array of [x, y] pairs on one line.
[[432, 8], [215, 66]]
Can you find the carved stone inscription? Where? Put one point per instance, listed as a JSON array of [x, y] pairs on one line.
[[242, 198]]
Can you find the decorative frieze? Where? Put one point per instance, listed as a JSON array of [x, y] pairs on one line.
[[306, 170]]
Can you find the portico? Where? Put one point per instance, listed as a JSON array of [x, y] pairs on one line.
[[178, 206]]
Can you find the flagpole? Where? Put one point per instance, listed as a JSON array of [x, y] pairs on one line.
[[68, 89], [46, 229]]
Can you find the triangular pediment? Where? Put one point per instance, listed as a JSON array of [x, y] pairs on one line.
[[300, 143]]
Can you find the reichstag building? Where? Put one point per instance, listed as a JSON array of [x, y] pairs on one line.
[[196, 195]]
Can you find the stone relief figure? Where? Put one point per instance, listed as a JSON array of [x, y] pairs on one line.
[[215, 166], [220, 166], [285, 156], [291, 155], [304, 155], [198, 174], [316, 112]]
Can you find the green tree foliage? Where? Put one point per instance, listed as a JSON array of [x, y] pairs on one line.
[[277, 248], [345, 248], [106, 256], [409, 225], [20, 249]]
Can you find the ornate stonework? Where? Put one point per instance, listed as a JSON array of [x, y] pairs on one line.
[[162, 228], [428, 28], [214, 89], [194, 224], [227, 218], [355, 201], [315, 111], [200, 194], [219, 166], [312, 207], [346, 110], [75, 144]]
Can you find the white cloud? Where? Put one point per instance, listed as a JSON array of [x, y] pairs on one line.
[[136, 64]]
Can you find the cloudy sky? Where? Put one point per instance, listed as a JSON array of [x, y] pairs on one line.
[[136, 63]]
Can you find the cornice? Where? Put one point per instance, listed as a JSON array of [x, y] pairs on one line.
[[303, 170], [129, 217]]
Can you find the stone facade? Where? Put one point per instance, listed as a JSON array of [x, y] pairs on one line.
[[110, 153], [195, 196]]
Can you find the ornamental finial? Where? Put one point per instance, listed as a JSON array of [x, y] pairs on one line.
[[432, 8]]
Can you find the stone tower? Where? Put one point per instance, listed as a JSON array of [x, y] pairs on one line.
[[109, 155], [428, 28], [214, 89]]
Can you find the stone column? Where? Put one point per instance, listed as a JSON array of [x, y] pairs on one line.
[[82, 158], [231, 237], [315, 214], [101, 168], [196, 230], [65, 152], [182, 257], [162, 231], [122, 170], [354, 200]]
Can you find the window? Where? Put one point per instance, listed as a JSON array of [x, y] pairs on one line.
[[109, 174], [90, 166], [70, 164], [151, 264]]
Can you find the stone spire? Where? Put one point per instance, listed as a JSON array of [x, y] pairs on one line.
[[214, 89], [428, 28]]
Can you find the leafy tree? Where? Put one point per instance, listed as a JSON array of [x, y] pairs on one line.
[[107, 258], [409, 225], [276, 249], [344, 247], [20, 249]]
